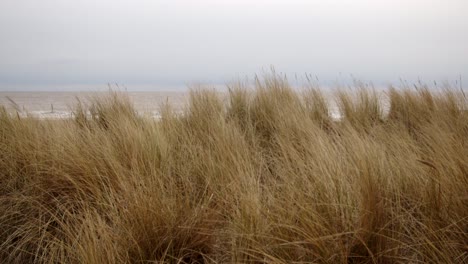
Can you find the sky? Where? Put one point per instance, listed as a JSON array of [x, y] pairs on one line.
[[53, 43]]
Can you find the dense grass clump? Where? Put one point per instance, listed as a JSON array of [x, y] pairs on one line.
[[262, 175]]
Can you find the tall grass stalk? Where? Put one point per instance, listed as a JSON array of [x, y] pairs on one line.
[[260, 175]]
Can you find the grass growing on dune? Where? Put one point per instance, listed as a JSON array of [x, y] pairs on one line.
[[262, 175]]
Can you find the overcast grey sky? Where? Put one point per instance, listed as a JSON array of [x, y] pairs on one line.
[[179, 41]]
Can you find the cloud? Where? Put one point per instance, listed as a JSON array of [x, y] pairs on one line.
[[180, 41]]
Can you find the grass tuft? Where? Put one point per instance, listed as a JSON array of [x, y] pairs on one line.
[[262, 174]]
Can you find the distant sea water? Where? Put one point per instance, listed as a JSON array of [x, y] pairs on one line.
[[58, 101], [57, 105]]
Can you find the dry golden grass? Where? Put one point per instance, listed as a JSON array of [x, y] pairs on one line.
[[261, 175]]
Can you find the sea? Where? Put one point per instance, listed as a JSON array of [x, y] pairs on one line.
[[60, 105]]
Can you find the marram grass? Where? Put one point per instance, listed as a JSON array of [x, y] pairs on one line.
[[261, 175]]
